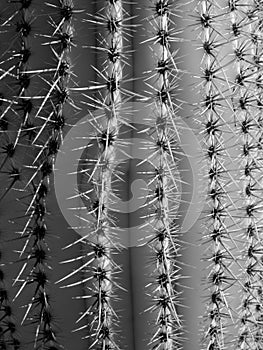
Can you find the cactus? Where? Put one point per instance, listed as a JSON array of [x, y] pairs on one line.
[[45, 88], [218, 233], [248, 73], [164, 244], [229, 104], [110, 18], [36, 123]]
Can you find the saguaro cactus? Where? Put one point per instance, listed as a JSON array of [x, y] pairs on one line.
[[46, 87], [165, 196], [110, 20], [231, 68]]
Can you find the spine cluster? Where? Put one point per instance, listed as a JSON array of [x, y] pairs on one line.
[[231, 106], [99, 240], [14, 57], [167, 328], [34, 95], [36, 116], [246, 89], [220, 224]]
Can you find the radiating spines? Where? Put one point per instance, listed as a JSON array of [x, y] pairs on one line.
[[41, 132], [230, 94], [161, 84], [103, 268], [13, 62], [220, 223], [9, 332], [14, 58], [97, 263], [34, 274], [162, 290], [246, 90]]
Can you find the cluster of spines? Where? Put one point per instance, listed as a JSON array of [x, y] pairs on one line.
[[220, 224], [100, 267], [49, 120], [247, 90], [13, 61], [47, 139], [232, 103], [104, 266], [42, 126], [247, 107], [9, 338], [165, 240], [10, 69]]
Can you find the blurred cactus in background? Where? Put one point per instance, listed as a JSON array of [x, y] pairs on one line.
[[105, 65]]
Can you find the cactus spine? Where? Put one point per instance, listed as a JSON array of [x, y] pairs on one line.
[[33, 99], [108, 100], [219, 231], [49, 122], [41, 132], [103, 265], [164, 244], [230, 107], [245, 20]]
